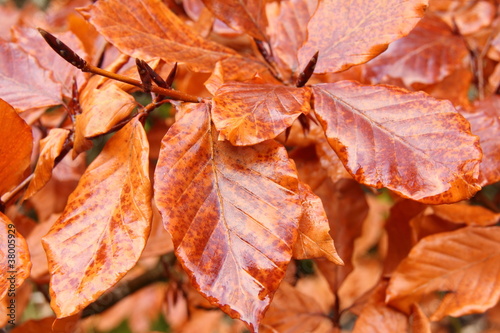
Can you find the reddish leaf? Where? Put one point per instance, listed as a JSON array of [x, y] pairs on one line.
[[376, 316], [104, 226], [313, 240], [455, 263], [247, 113], [16, 143], [467, 214], [294, 311], [472, 18], [50, 149], [357, 31], [15, 264], [247, 15], [139, 30], [485, 123], [24, 83], [287, 31], [330, 161], [64, 73], [233, 215], [389, 137], [427, 55]]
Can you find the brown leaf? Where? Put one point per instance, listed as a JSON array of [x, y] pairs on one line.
[[233, 213], [389, 137], [293, 311], [463, 264], [16, 143], [376, 316], [287, 31], [50, 149], [475, 17], [485, 122], [15, 264], [104, 226], [313, 238], [467, 214], [25, 84], [247, 16], [426, 56], [139, 29], [357, 31], [247, 113]]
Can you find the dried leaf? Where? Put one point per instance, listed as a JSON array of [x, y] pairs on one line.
[[426, 56], [50, 149], [15, 264], [247, 15], [139, 30], [476, 17], [314, 240], [25, 84], [247, 113], [389, 137], [235, 239], [485, 122], [463, 264], [104, 226], [357, 31], [16, 143], [293, 311]]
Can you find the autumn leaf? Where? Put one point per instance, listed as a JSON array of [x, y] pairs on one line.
[[314, 239], [389, 137], [233, 214], [104, 227], [485, 122], [431, 46], [462, 264], [247, 113], [16, 143], [139, 30], [50, 149], [25, 84], [348, 33], [15, 264], [247, 16]]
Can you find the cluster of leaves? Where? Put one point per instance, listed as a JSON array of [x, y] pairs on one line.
[[286, 118]]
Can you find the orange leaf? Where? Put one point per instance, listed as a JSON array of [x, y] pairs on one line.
[[147, 29], [15, 264], [16, 143], [431, 46], [104, 227], [50, 149], [233, 213], [485, 123], [314, 239], [247, 113], [294, 311], [389, 137], [464, 264], [357, 31], [287, 30], [247, 16], [24, 83]]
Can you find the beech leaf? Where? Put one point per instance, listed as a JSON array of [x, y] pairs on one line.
[[24, 83], [139, 30], [104, 227], [314, 240], [244, 15], [411, 143], [348, 33], [15, 263], [464, 264], [233, 214], [247, 113], [16, 143], [50, 149]]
